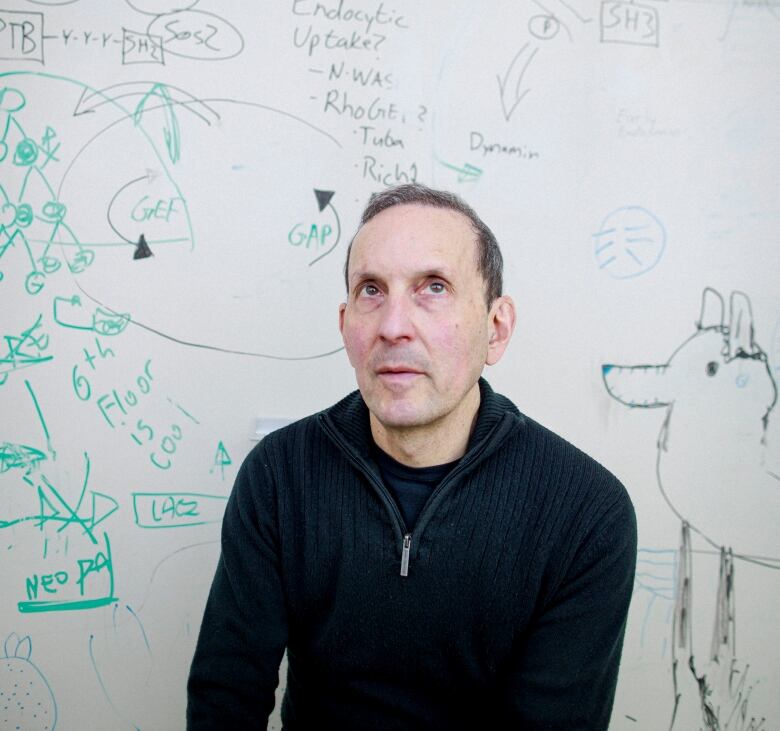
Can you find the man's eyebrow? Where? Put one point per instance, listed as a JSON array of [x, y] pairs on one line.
[[363, 274], [440, 272], [433, 271]]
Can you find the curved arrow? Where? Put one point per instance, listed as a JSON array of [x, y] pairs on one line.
[[149, 177], [85, 104], [323, 200], [509, 101]]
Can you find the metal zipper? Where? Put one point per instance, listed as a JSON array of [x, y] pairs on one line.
[[405, 554]]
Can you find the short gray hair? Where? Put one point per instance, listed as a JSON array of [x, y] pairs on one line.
[[490, 263]]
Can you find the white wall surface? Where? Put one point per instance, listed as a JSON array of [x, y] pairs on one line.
[[626, 156]]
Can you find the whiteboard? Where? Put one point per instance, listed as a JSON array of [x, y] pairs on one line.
[[179, 183]]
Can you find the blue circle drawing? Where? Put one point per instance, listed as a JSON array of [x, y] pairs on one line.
[[630, 242]]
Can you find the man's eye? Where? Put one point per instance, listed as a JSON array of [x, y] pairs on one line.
[[436, 287], [369, 290]]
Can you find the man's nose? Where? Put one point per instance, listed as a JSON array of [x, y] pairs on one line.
[[397, 318]]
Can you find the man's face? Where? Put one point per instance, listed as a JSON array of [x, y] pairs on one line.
[[415, 326]]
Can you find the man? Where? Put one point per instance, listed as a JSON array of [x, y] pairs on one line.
[[429, 557]]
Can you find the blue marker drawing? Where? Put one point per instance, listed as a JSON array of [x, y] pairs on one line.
[[655, 582], [629, 242], [26, 698]]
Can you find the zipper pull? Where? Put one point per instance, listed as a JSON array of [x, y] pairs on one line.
[[405, 554]]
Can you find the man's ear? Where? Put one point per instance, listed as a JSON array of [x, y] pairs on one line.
[[501, 324], [342, 310]]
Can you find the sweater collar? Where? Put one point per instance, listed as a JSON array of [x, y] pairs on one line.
[[350, 417]]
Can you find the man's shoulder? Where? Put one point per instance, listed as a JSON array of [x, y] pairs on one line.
[[568, 468], [581, 502]]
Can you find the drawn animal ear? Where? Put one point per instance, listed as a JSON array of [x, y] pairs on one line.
[[712, 308], [740, 337]]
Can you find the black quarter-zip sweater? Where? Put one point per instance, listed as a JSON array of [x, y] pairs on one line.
[[505, 607]]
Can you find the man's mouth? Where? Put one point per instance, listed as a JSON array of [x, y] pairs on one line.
[[398, 374]]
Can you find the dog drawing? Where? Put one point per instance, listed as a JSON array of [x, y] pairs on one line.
[[717, 392]]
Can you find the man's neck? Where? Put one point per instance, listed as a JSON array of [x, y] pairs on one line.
[[442, 441]]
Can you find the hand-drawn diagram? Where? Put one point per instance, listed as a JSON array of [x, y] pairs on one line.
[[629, 242], [314, 236], [512, 95], [718, 392], [196, 35], [21, 36], [61, 581], [42, 213], [192, 35], [146, 211], [626, 21], [27, 349], [544, 27], [19, 456], [26, 699], [70, 312]]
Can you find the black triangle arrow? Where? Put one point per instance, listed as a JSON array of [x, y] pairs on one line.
[[323, 197], [142, 250]]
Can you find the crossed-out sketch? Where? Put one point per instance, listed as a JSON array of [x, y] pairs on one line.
[[718, 392]]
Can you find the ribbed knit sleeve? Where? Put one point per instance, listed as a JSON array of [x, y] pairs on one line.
[[566, 665], [243, 635]]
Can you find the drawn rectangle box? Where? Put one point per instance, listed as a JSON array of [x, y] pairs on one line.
[[176, 509], [629, 23], [141, 48], [21, 36]]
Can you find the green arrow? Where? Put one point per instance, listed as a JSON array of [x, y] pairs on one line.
[[466, 172]]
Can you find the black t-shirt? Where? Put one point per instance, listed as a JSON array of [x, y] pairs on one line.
[[410, 486]]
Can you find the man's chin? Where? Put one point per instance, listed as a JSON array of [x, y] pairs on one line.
[[400, 414]]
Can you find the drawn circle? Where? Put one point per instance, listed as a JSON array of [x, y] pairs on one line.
[[53, 211], [160, 7], [81, 260], [11, 100], [629, 242], [24, 215], [26, 152], [50, 264], [544, 27], [197, 35]]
